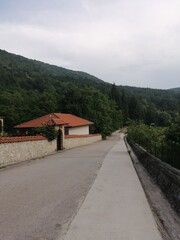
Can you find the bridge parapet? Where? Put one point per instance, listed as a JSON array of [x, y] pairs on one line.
[[164, 175]]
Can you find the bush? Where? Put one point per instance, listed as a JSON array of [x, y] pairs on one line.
[[163, 143], [49, 132]]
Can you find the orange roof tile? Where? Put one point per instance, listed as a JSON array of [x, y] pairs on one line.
[[55, 119], [21, 139], [73, 121], [49, 119]]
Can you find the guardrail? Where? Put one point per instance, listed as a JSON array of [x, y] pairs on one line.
[[167, 177]]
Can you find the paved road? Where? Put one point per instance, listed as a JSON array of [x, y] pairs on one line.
[[39, 198], [115, 208]]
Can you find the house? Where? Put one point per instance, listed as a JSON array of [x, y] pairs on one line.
[[65, 124], [75, 125]]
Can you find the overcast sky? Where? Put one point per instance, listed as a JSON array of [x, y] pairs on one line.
[[129, 42]]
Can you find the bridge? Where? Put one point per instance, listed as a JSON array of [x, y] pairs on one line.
[[92, 192]]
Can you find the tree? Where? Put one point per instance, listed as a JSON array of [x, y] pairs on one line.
[[115, 95], [173, 143], [91, 104], [135, 111], [49, 132]]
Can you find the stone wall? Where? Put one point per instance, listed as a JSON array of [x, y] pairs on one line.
[[14, 150], [18, 149], [72, 141]]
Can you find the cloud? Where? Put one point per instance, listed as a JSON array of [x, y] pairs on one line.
[[124, 41]]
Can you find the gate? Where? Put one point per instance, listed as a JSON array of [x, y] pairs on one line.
[[59, 140]]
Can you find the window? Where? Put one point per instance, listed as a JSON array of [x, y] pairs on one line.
[[66, 131]]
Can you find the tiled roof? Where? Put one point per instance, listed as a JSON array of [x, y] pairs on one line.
[[55, 119], [21, 139], [73, 121], [50, 119]]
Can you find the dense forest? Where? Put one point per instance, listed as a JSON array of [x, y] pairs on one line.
[[29, 88]]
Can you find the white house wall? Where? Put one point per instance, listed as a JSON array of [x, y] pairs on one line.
[[79, 130]]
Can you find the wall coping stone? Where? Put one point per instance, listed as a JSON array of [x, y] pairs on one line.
[[21, 139], [81, 136]]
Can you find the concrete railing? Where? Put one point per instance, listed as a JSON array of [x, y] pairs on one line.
[[167, 177]]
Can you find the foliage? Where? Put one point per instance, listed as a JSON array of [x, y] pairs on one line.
[[95, 106], [164, 143], [173, 143], [48, 131], [29, 89]]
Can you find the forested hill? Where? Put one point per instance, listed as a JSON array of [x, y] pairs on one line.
[[21, 68], [175, 89], [29, 88]]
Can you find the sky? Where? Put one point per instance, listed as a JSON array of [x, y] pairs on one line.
[[126, 42]]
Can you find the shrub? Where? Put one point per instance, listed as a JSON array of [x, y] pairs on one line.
[[49, 132]]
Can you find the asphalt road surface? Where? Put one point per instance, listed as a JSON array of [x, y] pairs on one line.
[[39, 198]]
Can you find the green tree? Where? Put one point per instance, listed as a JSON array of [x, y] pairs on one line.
[[49, 132], [91, 104], [173, 144]]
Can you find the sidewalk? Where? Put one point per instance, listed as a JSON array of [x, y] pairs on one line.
[[116, 207]]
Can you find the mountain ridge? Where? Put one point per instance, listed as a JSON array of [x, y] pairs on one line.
[[177, 89], [30, 88], [48, 68], [61, 71]]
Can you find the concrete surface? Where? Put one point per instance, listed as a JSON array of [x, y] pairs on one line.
[[39, 198], [116, 207], [167, 219]]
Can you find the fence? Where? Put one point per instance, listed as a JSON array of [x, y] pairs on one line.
[[167, 177]]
